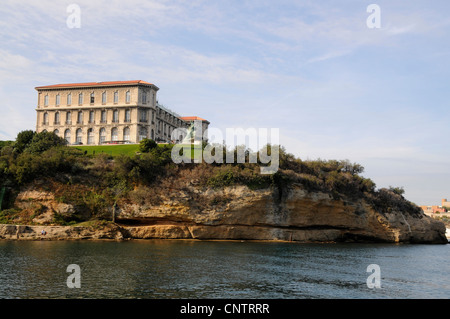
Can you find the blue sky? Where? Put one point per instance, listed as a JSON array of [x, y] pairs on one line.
[[335, 88]]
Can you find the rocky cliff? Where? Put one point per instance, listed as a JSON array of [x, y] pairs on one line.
[[296, 215], [239, 213]]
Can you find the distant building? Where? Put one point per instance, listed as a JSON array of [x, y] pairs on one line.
[[115, 112], [436, 208]]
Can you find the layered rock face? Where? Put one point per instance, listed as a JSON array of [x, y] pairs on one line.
[[238, 213], [296, 215]]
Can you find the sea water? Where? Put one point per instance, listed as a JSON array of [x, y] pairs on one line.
[[157, 269]]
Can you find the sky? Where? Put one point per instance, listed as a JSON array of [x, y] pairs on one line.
[[335, 86]]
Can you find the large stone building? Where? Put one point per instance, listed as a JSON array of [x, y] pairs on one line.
[[107, 112]]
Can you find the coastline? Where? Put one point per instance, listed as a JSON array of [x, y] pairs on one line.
[[115, 232]]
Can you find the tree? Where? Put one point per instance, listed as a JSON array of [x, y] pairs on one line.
[[397, 190], [146, 145], [23, 139], [44, 141]]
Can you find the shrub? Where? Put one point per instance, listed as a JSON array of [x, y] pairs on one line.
[[23, 139], [146, 145], [44, 141]]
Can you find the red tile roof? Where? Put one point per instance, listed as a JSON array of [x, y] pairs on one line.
[[90, 84], [192, 118]]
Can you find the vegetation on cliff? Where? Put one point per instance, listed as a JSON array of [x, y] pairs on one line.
[[94, 184]]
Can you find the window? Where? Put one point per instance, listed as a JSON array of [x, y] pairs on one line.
[[102, 135], [90, 136], [80, 98], [128, 97], [143, 116], [144, 97], [68, 118], [91, 117], [57, 118], [103, 117], [46, 100], [153, 134], [67, 136], [115, 116], [92, 97], [116, 97], [126, 134], [69, 99], [56, 132], [127, 116], [142, 133], [58, 99], [114, 134], [45, 122], [79, 136], [104, 97], [80, 117]]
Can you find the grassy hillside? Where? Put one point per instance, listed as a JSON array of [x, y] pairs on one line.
[[113, 150], [93, 184]]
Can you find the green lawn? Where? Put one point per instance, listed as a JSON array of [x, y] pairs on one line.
[[113, 150]]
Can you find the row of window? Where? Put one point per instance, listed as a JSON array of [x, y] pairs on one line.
[[143, 117], [80, 116], [92, 98], [143, 133]]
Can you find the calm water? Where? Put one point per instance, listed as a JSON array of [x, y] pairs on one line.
[[192, 269]]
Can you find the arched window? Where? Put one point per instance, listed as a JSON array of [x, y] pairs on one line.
[[116, 97], [80, 98], [56, 132], [45, 121], [126, 134], [114, 134], [46, 100], [128, 97], [67, 136], [104, 97], [68, 118], [102, 135], [57, 118], [79, 136], [90, 136]]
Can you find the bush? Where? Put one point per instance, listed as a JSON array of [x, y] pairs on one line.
[[146, 145], [23, 139], [44, 141]]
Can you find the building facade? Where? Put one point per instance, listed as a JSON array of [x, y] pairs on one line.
[[98, 113]]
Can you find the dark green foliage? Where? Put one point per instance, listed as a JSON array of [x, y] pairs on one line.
[[44, 141], [146, 145], [397, 190], [23, 140]]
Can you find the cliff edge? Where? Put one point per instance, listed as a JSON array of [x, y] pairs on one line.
[[296, 215]]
